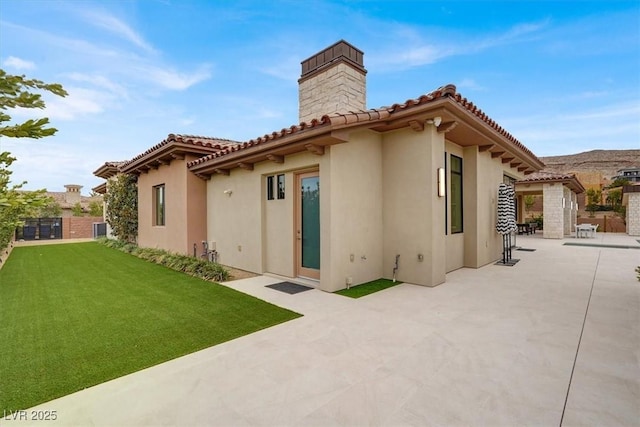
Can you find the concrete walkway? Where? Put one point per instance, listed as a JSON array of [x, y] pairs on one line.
[[554, 340]]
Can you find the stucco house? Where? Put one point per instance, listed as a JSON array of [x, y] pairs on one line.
[[347, 196]]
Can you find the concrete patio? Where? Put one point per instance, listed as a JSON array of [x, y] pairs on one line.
[[554, 340]]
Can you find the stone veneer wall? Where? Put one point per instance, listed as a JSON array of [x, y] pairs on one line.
[[633, 214], [553, 211], [339, 89]]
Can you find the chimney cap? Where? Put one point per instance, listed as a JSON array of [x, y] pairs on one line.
[[341, 51]]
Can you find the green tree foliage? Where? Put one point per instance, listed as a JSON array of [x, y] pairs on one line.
[[15, 204], [15, 92], [593, 199], [95, 208], [529, 201], [619, 182], [122, 207], [50, 210], [77, 209]]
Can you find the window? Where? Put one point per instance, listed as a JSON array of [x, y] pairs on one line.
[[270, 188], [158, 205], [279, 189], [281, 186], [456, 194]]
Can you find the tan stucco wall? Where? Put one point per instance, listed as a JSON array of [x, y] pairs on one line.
[[413, 215], [378, 198], [250, 232], [185, 208], [354, 202]]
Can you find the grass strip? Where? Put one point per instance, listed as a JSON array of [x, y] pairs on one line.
[[365, 289], [76, 315]]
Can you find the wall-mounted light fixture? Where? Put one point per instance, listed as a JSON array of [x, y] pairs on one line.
[[435, 121], [228, 192], [442, 190], [564, 203]]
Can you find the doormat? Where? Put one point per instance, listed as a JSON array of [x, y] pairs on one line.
[[526, 249], [289, 288]]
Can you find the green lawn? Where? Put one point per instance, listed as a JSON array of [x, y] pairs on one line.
[[367, 288], [76, 315]]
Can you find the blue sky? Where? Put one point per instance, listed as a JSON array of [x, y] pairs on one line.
[[562, 77]]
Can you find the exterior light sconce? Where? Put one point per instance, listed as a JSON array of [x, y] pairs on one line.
[[442, 191], [228, 192], [435, 121], [564, 203]]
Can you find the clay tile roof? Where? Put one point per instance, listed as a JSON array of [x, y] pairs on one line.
[[352, 118], [541, 177], [108, 169], [201, 145]]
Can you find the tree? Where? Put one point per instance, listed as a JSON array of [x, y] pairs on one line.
[[50, 210], [95, 208], [593, 199], [14, 203], [14, 93], [529, 201], [122, 207], [619, 182], [77, 209]]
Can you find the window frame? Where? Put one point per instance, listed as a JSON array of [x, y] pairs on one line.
[[159, 205], [457, 206], [270, 193], [280, 184]]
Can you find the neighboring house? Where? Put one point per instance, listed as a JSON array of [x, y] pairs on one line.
[[631, 174], [69, 198], [347, 195]]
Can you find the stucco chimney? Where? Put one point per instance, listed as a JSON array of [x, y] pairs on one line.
[[332, 81], [73, 193]]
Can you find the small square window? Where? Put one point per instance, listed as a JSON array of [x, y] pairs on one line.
[[281, 186]]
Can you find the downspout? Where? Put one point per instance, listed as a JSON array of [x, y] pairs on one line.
[[395, 268]]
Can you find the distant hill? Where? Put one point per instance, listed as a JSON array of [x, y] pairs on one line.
[[607, 162]]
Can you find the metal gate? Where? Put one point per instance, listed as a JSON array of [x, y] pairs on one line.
[[40, 229]]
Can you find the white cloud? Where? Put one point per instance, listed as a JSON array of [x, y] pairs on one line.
[[79, 102], [471, 84], [101, 82], [409, 48], [287, 69], [614, 126], [119, 28], [175, 80], [18, 64]]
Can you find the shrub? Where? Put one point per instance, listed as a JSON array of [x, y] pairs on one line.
[[186, 264]]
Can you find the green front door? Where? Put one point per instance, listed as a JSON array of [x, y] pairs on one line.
[[308, 225]]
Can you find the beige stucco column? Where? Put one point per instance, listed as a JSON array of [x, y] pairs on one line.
[[553, 211], [568, 214], [574, 211]]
